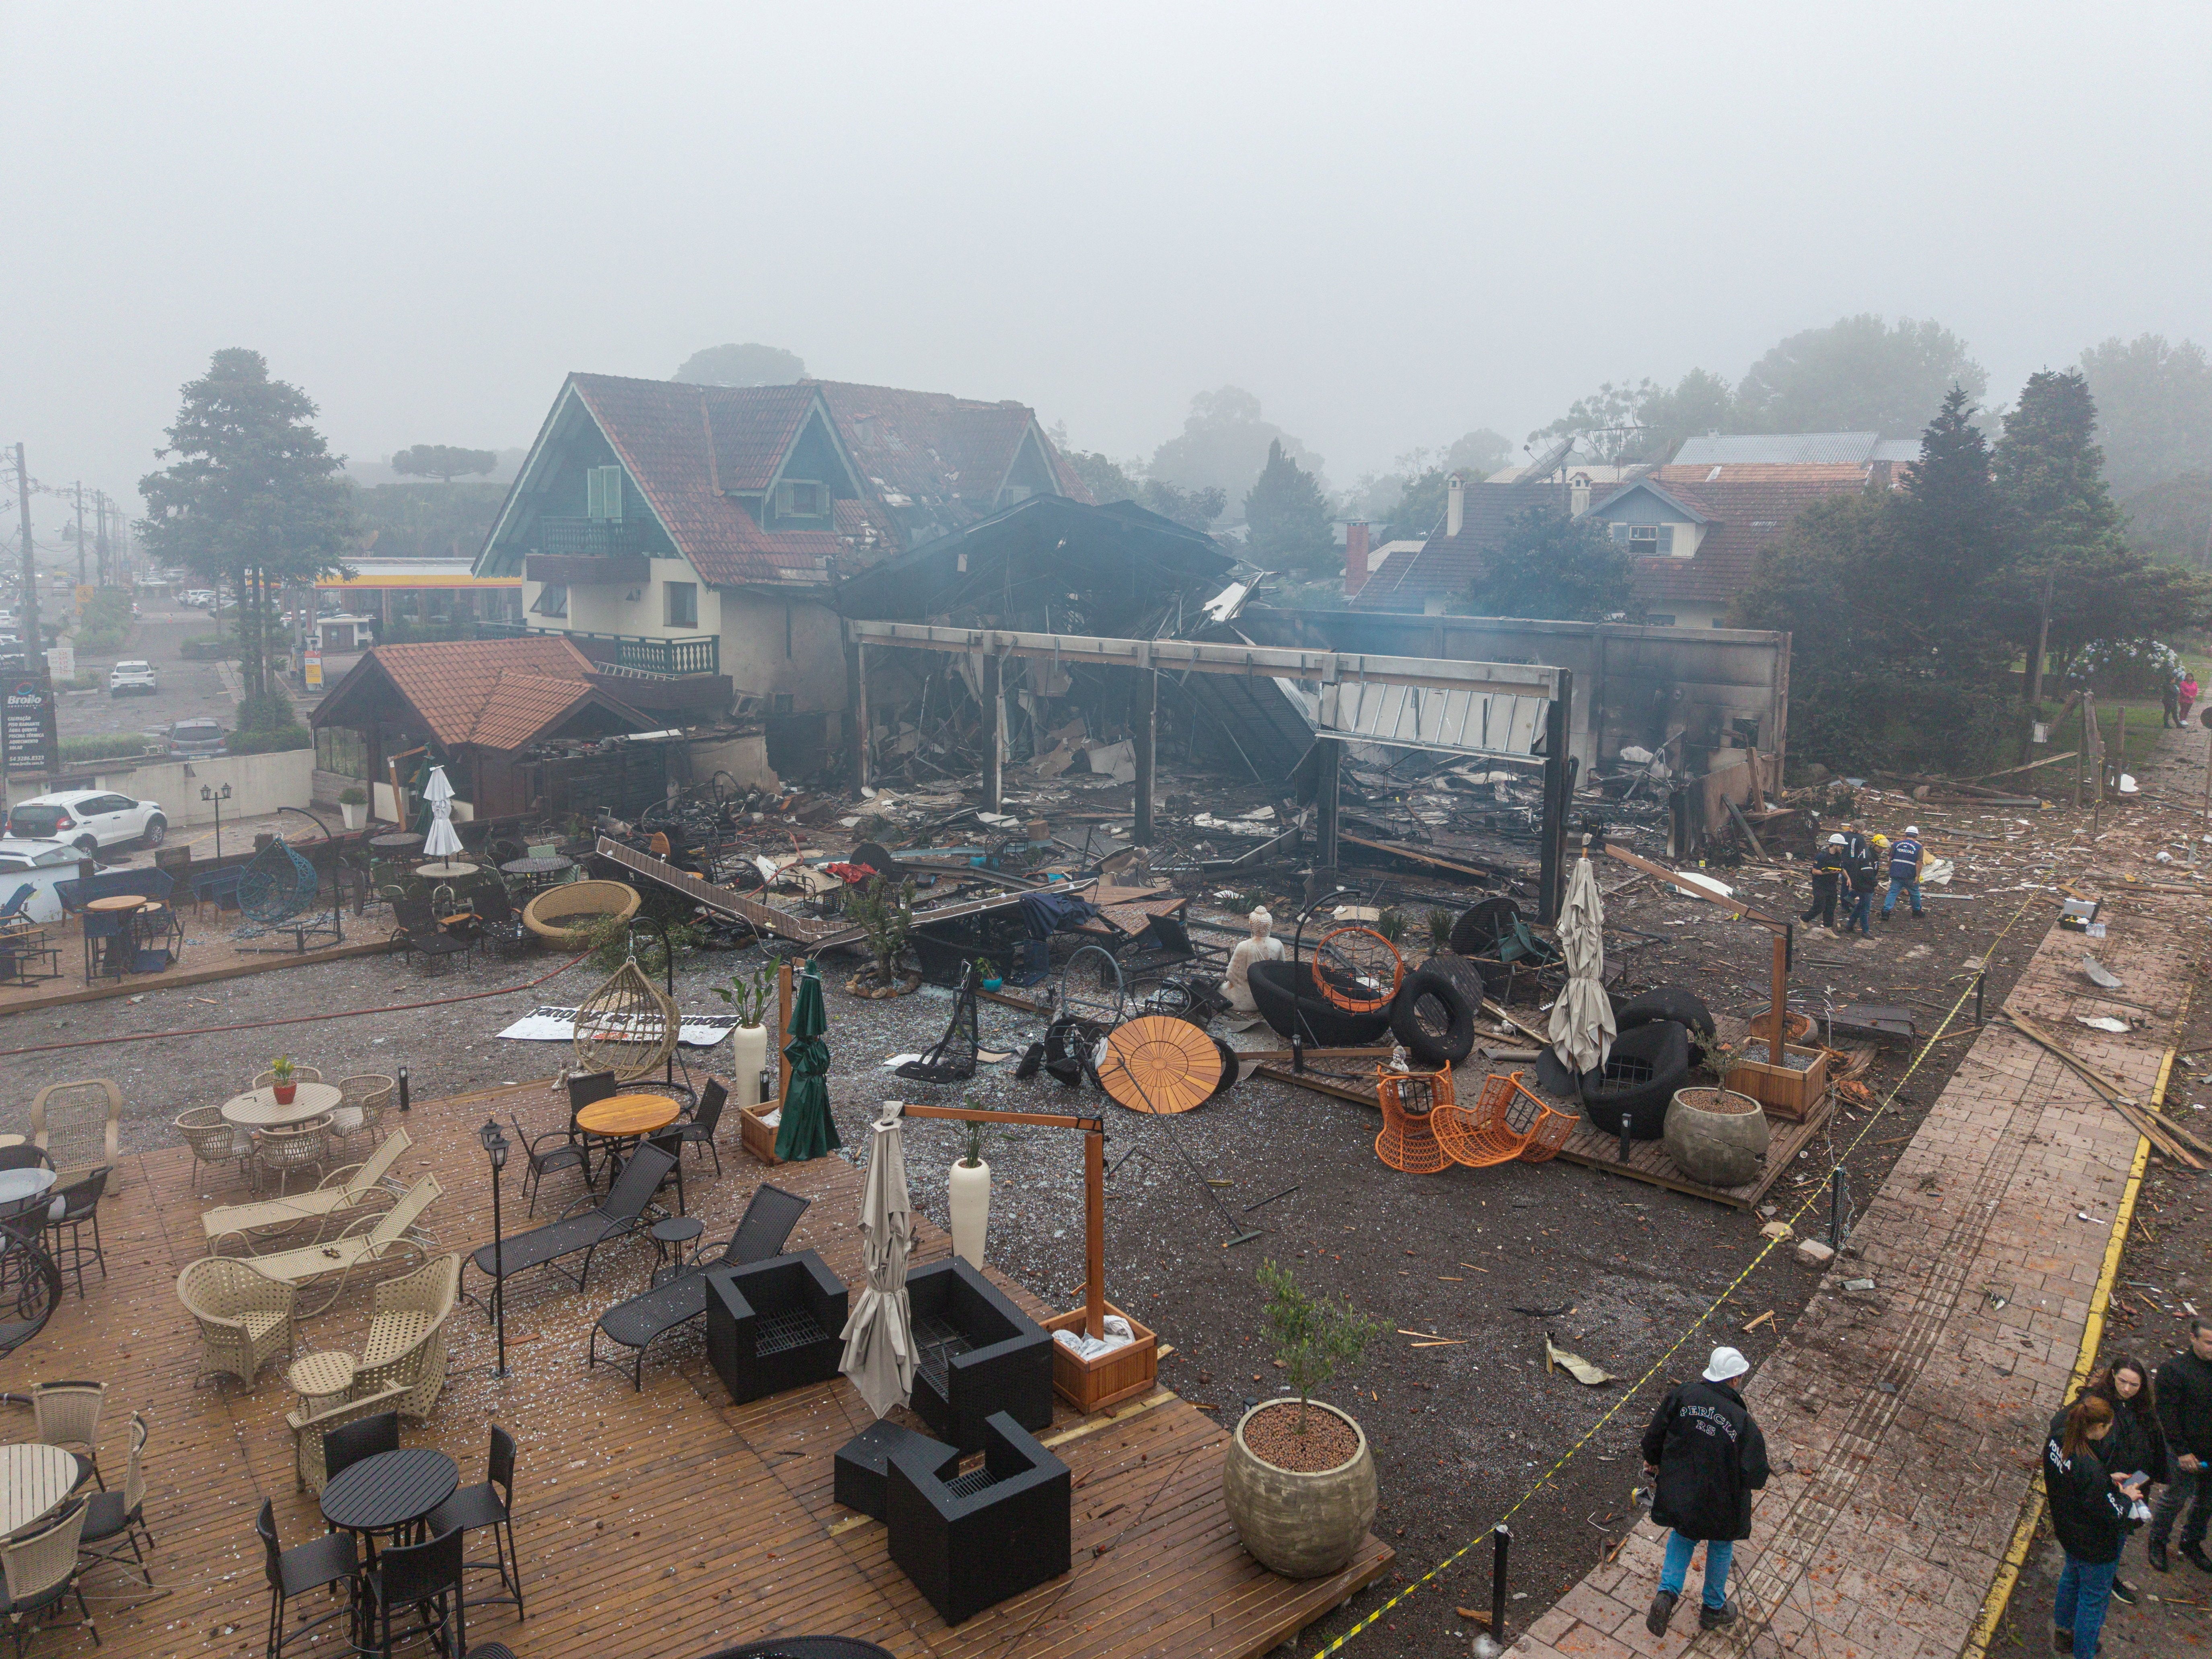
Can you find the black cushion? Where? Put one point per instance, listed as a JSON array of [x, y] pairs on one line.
[[105, 1517]]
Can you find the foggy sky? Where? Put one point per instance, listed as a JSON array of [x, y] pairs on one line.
[[1391, 224]]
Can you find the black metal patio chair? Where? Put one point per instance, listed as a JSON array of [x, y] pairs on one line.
[[617, 1216]]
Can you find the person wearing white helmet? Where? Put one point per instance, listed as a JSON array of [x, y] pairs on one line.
[[1706, 1456], [1906, 856], [1827, 878]]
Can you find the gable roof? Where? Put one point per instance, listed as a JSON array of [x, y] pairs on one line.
[[1442, 565], [490, 693], [1794, 449], [1650, 484], [1746, 509]]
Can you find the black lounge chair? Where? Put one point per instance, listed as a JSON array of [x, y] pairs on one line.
[[975, 1353], [682, 1298], [775, 1325], [419, 931], [619, 1216], [974, 1541]]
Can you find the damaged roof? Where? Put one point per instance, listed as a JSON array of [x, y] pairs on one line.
[[1443, 565], [488, 693]]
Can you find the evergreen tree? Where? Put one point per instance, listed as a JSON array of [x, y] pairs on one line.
[[1947, 533], [1550, 564], [1289, 518], [253, 494], [2051, 473]]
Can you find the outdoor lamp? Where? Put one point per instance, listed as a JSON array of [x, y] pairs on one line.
[[494, 1143]]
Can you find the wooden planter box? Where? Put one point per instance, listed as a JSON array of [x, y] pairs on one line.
[[756, 1137], [1091, 1385], [1784, 1092]]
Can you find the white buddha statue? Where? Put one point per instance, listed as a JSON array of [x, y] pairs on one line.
[[1262, 946]]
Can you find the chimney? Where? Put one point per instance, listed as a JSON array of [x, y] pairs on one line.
[[1355, 557], [1578, 498], [1454, 506]]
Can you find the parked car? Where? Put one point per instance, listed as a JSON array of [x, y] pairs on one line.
[[89, 818], [195, 738], [131, 677], [17, 856]]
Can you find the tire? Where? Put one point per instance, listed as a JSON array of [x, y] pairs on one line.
[[1671, 1002], [1656, 1057], [87, 846], [1440, 1038], [157, 831], [1306, 1014]]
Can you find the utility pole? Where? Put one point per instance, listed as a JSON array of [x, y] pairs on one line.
[[80, 535], [100, 542], [31, 636]]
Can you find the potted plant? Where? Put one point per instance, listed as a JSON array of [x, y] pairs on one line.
[[967, 1190], [987, 974], [884, 912], [353, 802], [749, 999], [282, 1082], [1299, 1480], [1717, 1136]]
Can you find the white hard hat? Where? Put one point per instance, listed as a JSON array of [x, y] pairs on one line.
[[1836, 839], [1912, 829], [1725, 1363]]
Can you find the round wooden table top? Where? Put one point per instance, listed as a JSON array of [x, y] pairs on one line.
[[34, 1481], [1160, 1064], [117, 901], [258, 1108], [628, 1115]]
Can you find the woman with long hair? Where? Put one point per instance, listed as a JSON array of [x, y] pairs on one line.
[[2136, 1445], [2089, 1504]]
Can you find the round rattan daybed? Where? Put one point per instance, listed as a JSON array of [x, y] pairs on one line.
[[563, 917]]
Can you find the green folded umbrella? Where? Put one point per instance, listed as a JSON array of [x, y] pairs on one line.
[[807, 1130]]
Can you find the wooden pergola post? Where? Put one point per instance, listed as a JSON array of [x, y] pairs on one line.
[[1743, 912], [995, 732], [1144, 717]]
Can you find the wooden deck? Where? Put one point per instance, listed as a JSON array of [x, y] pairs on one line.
[[1648, 1159], [656, 1525]]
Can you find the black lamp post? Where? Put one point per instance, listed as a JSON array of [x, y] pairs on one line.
[[495, 1146], [208, 793]]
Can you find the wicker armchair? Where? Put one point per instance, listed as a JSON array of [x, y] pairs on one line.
[[280, 1152], [245, 1316], [308, 1429], [300, 1074], [406, 1346], [76, 1124], [41, 1570], [361, 1103], [213, 1138]]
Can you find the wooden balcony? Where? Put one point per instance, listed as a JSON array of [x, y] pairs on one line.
[[589, 569]]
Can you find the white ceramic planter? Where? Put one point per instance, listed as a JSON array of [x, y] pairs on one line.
[[748, 1053], [356, 814], [968, 1188]]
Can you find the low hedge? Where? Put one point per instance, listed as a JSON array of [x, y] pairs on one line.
[[210, 647], [270, 740], [114, 745]]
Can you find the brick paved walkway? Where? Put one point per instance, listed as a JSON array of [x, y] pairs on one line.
[[1904, 1423]]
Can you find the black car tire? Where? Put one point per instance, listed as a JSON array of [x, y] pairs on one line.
[[1683, 1007], [1656, 1056], [1431, 1015], [157, 831], [1304, 1013], [87, 846]]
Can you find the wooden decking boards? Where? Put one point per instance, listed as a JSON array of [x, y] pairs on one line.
[[660, 1524]]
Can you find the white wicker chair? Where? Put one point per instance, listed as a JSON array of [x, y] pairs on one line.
[[361, 1103], [245, 1315], [76, 1124], [406, 1346], [280, 1152], [41, 1570], [68, 1415], [214, 1138]]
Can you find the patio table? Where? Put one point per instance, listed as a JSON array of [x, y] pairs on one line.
[[258, 1108], [389, 1491], [399, 841], [18, 1187], [36, 1480], [621, 1120]]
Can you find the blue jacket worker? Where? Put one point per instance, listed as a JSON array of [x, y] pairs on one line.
[[1706, 1457], [1906, 855]]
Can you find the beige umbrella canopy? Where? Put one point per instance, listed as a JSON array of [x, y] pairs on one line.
[[880, 1335], [1582, 1029]]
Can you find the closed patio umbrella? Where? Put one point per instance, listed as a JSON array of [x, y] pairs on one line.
[[1582, 1029], [879, 1334], [443, 841], [806, 1130]]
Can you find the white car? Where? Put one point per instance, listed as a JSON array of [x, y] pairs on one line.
[[17, 856], [131, 677], [89, 819]]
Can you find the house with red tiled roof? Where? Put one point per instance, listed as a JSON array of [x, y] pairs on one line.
[[692, 538], [1696, 533]]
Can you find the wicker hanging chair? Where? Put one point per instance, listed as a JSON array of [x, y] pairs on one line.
[[278, 884], [627, 1026]]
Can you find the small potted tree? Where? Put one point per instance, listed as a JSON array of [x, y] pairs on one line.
[[968, 1193], [884, 912], [282, 1082], [749, 997], [1717, 1136], [1299, 1480], [353, 802]]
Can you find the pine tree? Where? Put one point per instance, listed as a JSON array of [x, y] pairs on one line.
[[1949, 533], [1288, 517], [1549, 565], [2051, 473], [253, 494]]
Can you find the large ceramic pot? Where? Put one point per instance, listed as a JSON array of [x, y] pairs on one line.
[[1302, 1525], [1717, 1136], [968, 1192], [748, 1055]]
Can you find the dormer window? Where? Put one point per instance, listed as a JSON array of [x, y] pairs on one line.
[[800, 499]]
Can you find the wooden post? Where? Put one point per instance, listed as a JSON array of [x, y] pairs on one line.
[[1144, 717], [1780, 995], [782, 1029], [1094, 1233], [1330, 761], [1559, 796], [994, 734], [856, 671]]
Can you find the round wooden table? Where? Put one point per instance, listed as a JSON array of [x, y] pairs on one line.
[[258, 1108], [620, 1117], [34, 1481], [116, 902]]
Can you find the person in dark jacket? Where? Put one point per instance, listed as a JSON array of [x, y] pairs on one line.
[[2184, 1393], [2088, 1506], [1706, 1456], [1862, 870], [1827, 873], [2137, 1446]]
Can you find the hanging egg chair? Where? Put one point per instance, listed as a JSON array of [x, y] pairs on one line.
[[278, 884], [627, 1026]]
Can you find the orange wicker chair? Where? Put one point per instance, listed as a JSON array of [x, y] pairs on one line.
[[1410, 1102], [1505, 1122]]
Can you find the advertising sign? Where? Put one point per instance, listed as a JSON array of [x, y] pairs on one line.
[[28, 741], [314, 667], [84, 595]]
